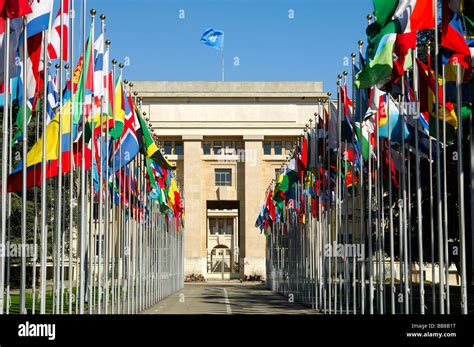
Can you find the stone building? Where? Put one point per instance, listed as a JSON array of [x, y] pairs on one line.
[[227, 139]]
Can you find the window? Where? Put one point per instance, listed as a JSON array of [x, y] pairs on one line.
[[223, 177], [168, 145], [229, 148], [239, 145], [217, 147], [213, 226], [178, 148], [277, 147], [229, 226], [206, 147], [221, 226], [267, 148], [288, 147]]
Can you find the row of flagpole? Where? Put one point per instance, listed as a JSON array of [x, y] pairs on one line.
[[329, 196], [120, 244]]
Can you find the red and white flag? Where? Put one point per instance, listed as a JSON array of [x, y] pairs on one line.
[[55, 41]]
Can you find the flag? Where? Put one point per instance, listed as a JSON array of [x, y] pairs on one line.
[[38, 19], [379, 69], [403, 45], [118, 109], [427, 96], [14, 8], [35, 158], [126, 148], [213, 38], [414, 15], [52, 98], [454, 46], [398, 16], [54, 45], [16, 28], [148, 146]]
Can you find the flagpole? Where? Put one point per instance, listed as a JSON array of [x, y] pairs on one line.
[[71, 160], [361, 207], [392, 250], [83, 213], [24, 172], [5, 157], [438, 170], [222, 58], [107, 204], [462, 236], [416, 115], [445, 196], [44, 226], [60, 150]]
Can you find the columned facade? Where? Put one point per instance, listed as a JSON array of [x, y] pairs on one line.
[[228, 140]]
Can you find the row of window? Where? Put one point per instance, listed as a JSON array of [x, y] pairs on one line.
[[277, 147], [221, 226], [228, 147]]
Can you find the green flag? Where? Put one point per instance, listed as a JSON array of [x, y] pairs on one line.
[[380, 68]]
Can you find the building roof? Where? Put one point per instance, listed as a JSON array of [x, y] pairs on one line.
[[214, 89]]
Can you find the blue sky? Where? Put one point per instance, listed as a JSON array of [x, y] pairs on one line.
[[270, 46]]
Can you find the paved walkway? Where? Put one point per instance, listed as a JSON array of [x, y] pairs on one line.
[[226, 298]]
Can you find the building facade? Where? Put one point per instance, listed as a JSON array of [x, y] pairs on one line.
[[228, 140]]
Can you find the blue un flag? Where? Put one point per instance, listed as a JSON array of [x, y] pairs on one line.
[[213, 38]]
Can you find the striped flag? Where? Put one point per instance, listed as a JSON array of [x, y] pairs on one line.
[[54, 45], [39, 19]]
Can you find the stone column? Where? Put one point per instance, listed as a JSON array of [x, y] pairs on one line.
[[253, 247], [194, 236]]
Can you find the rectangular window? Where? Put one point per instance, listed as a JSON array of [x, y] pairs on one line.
[[223, 177], [277, 147], [167, 146], [288, 147], [206, 148], [178, 148], [217, 147], [277, 173], [229, 226], [213, 226], [267, 148], [229, 148], [221, 226], [239, 145]]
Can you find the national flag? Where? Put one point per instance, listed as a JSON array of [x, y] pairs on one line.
[[403, 46], [54, 45], [38, 20], [118, 109], [127, 147], [414, 15], [14, 8], [16, 29], [379, 69], [427, 96], [453, 44], [213, 38], [148, 146], [34, 157]]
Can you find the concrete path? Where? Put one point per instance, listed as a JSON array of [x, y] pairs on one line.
[[226, 298]]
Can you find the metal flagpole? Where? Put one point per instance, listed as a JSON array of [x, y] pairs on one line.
[[438, 171], [222, 58], [59, 197], [91, 249], [445, 196], [101, 185], [390, 213], [44, 201], [361, 207], [83, 213], [107, 166], [416, 116], [5, 142], [24, 168], [462, 236], [71, 166]]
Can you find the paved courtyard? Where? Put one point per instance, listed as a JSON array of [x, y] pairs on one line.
[[226, 298]]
